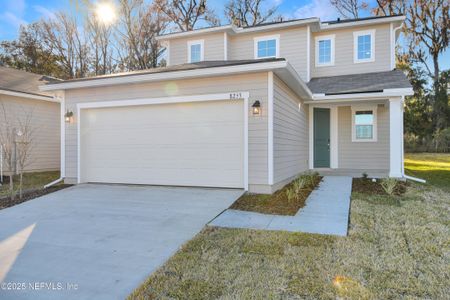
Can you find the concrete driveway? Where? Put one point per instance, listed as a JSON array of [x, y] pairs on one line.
[[98, 241]]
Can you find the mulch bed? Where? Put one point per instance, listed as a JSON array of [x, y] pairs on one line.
[[275, 204], [366, 186], [6, 202]]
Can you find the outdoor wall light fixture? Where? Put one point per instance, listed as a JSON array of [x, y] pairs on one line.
[[68, 116], [256, 108]]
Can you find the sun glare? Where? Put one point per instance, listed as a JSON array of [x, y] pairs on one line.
[[105, 13]]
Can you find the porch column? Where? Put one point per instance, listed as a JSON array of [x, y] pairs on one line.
[[396, 137]]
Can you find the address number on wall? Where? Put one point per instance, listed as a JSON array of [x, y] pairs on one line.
[[235, 95]]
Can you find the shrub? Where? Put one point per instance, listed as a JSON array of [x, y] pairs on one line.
[[291, 194], [389, 185]]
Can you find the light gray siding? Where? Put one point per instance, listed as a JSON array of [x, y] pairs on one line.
[[255, 84], [45, 124], [290, 133], [344, 52], [363, 155], [292, 47], [213, 43]]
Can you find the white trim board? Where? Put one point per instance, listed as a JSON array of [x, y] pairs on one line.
[[27, 95], [168, 100], [270, 111]]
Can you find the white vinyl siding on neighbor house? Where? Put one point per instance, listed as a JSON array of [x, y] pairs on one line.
[[344, 52], [255, 84], [181, 144], [213, 48], [45, 121], [290, 133], [292, 46], [369, 156]]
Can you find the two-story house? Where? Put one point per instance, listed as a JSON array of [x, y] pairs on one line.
[[244, 108]]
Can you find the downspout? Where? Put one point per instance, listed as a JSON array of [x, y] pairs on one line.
[[394, 33]]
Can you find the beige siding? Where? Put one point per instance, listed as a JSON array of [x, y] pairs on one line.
[[45, 123], [213, 43], [344, 52], [363, 155], [255, 84], [290, 133], [292, 47]]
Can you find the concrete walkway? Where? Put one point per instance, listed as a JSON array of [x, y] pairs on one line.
[[326, 212]]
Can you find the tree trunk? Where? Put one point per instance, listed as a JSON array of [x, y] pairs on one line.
[[20, 185]]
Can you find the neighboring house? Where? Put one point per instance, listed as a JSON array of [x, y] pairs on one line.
[[20, 99], [244, 108]]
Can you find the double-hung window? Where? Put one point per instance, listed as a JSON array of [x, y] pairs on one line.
[[195, 51], [364, 46], [364, 123], [325, 50], [266, 47]]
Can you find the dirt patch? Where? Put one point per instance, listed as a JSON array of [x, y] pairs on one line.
[[6, 202], [367, 186], [277, 203]]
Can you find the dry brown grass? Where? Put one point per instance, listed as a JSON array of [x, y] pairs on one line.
[[398, 248], [280, 203]]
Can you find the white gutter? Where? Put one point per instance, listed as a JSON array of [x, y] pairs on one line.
[[387, 93], [27, 95], [343, 24]]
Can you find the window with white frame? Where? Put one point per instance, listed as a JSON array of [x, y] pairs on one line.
[[195, 51], [325, 50], [266, 47], [364, 45], [364, 124]]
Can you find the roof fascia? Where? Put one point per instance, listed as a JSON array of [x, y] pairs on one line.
[[325, 26], [387, 93], [27, 95]]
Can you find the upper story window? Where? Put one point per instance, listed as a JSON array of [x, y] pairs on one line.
[[267, 46], [364, 46], [325, 50], [364, 125], [195, 51]]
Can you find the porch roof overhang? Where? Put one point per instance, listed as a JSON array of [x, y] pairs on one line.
[[279, 66]]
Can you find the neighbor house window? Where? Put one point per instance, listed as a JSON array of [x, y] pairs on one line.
[[364, 46], [364, 124], [266, 47], [195, 51], [325, 50]]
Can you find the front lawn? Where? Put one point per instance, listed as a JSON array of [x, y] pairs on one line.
[[433, 167], [398, 247]]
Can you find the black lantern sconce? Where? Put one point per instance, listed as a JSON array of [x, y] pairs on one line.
[[68, 117], [256, 108]]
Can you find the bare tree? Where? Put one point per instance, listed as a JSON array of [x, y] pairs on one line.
[[349, 8], [99, 37], [24, 145], [390, 7], [185, 14], [140, 23], [248, 12]]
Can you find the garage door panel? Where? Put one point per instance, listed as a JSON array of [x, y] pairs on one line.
[[193, 144]]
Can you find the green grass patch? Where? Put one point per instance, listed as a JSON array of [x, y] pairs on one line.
[[31, 181], [433, 167]]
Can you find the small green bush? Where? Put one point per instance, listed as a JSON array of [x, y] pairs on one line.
[[389, 185]]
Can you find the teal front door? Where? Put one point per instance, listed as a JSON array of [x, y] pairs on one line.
[[321, 137]]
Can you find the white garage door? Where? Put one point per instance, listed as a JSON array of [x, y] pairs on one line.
[[186, 144]]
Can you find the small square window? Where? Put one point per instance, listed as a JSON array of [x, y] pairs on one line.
[[267, 48]]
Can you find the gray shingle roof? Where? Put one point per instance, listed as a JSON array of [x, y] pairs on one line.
[[25, 82], [359, 83], [180, 67]]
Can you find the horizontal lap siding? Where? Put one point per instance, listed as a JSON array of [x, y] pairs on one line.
[[343, 63], [45, 122], [290, 133], [255, 84], [363, 155], [213, 43], [292, 47]]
